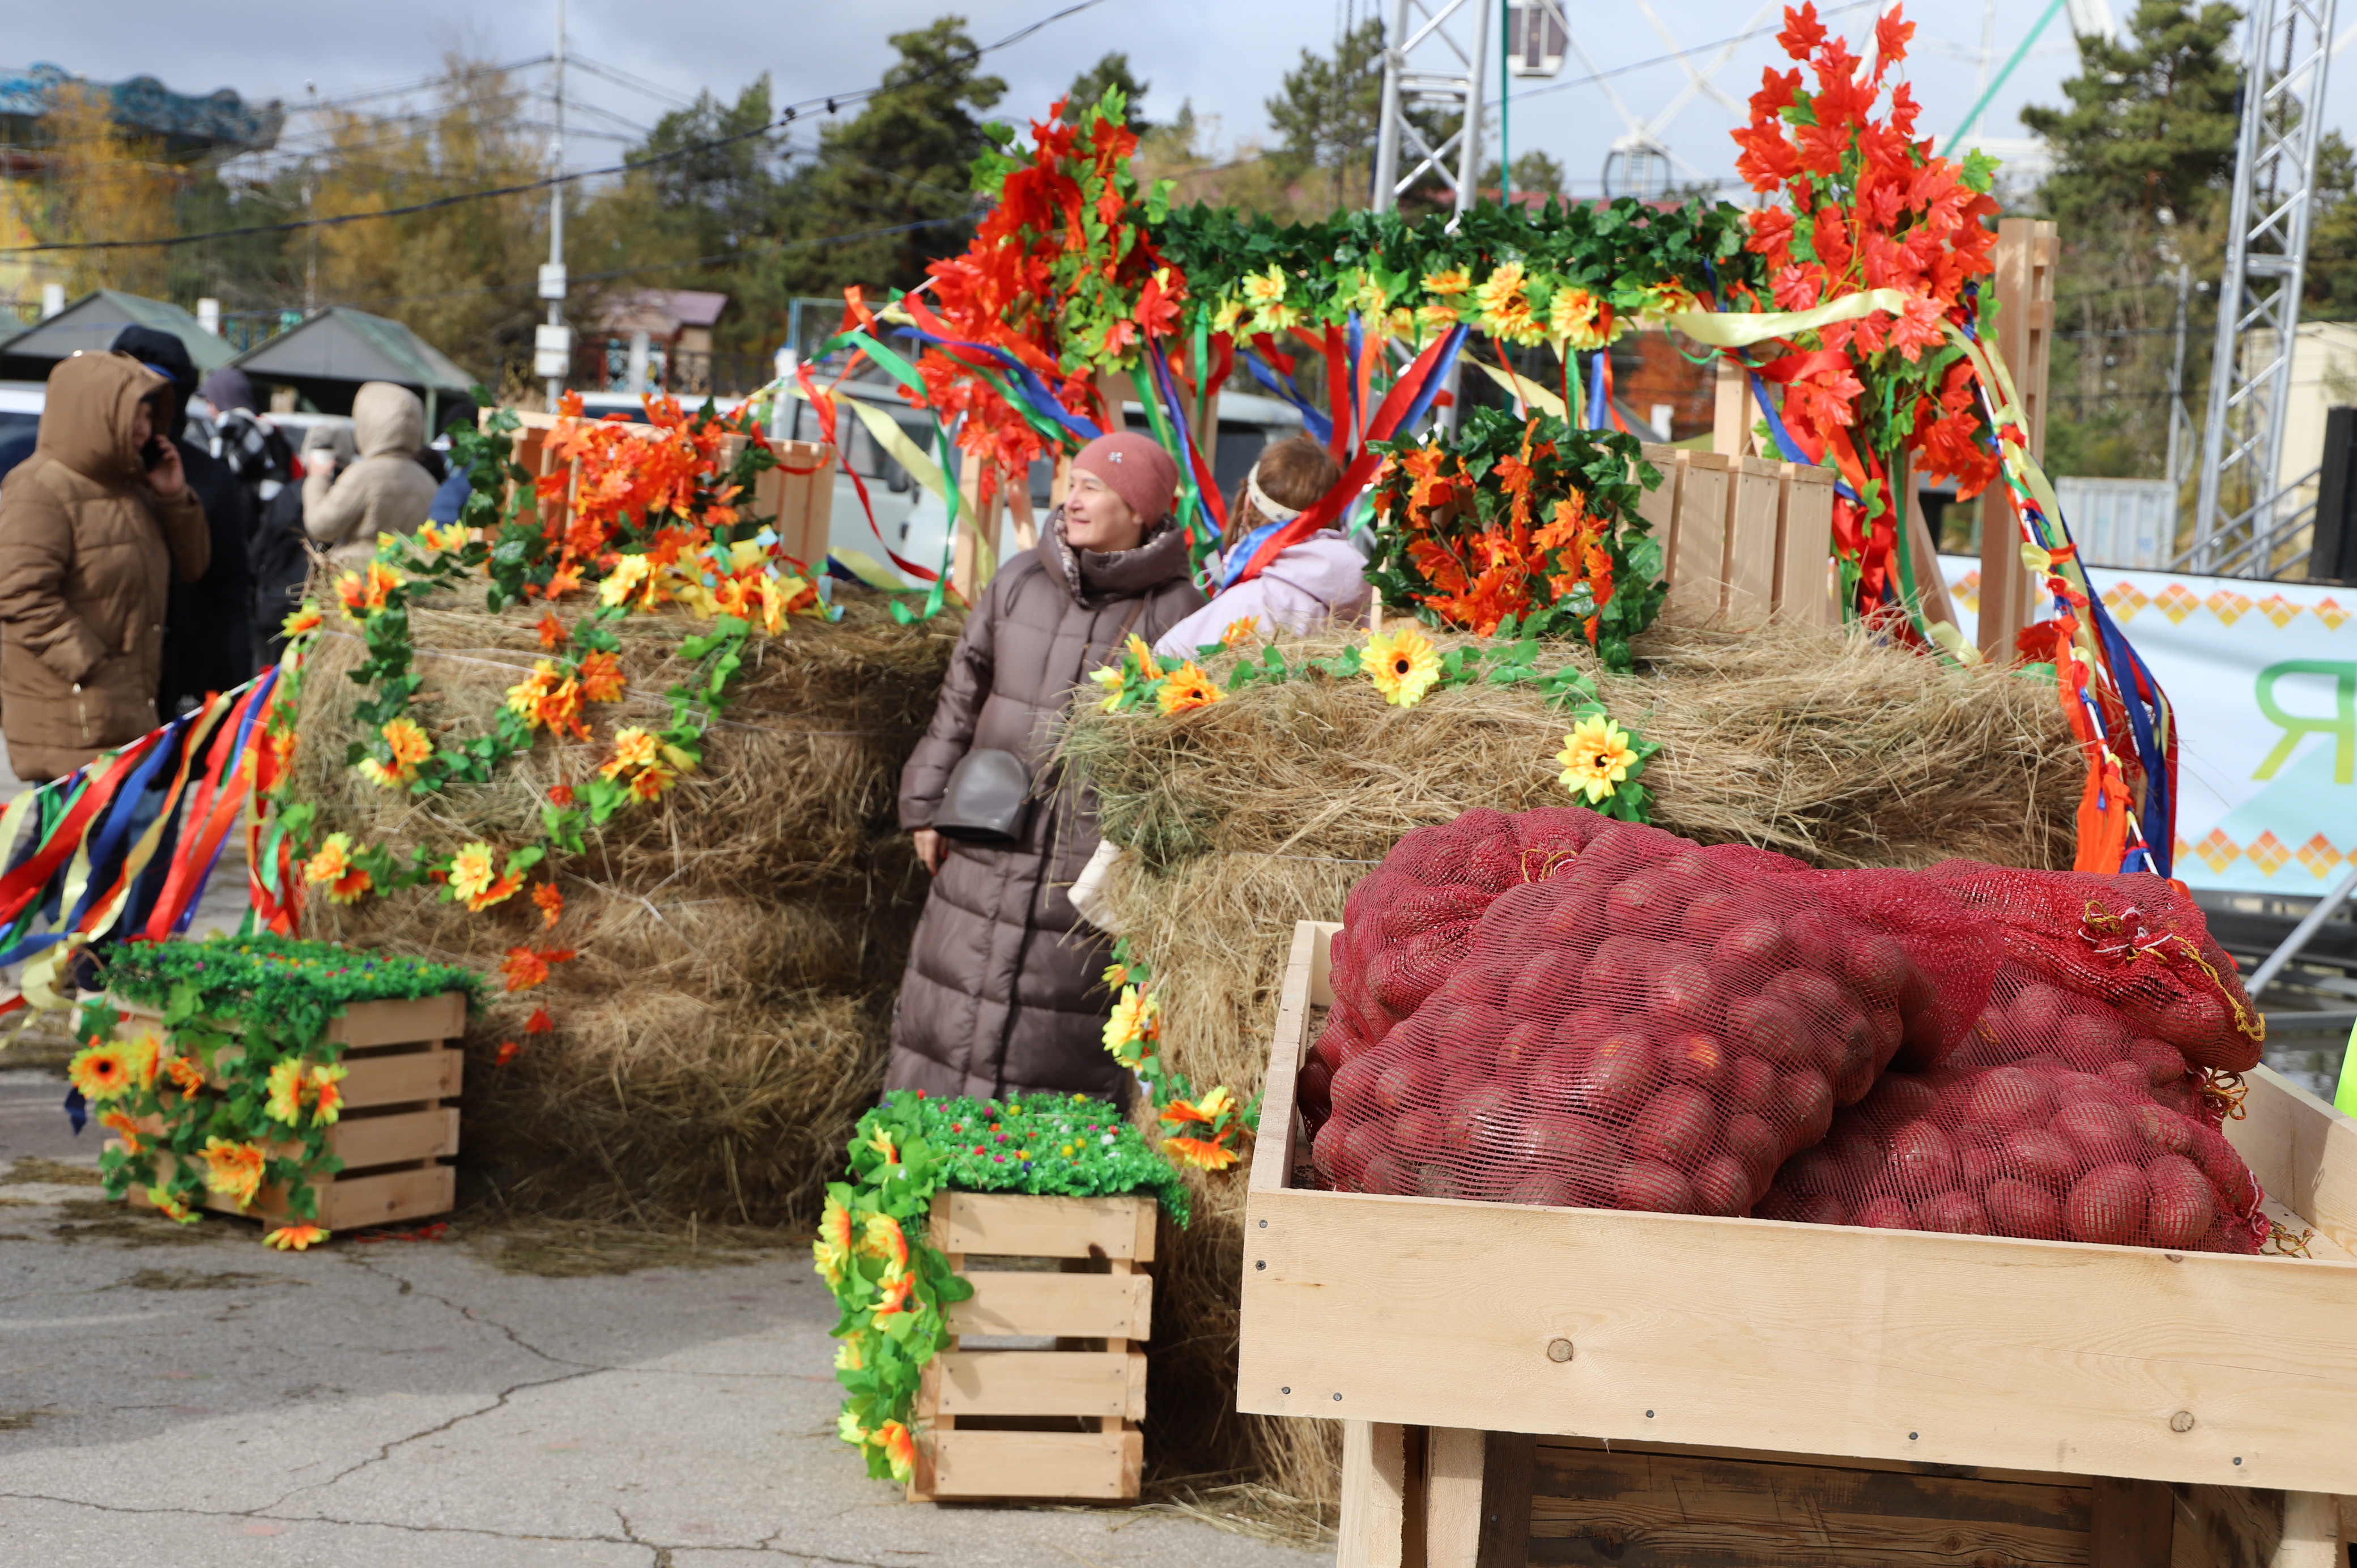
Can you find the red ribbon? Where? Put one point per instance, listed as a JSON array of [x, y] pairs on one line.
[[21, 885]]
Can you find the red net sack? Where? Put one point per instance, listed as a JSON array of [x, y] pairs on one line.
[[2034, 1149], [2030, 1019], [1654, 1026], [1406, 924], [2137, 944]]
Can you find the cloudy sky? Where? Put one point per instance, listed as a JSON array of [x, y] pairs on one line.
[[1226, 56]]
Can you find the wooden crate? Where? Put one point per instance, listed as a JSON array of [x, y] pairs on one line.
[[395, 1132], [1746, 539], [1059, 1422], [1875, 1365], [798, 494]]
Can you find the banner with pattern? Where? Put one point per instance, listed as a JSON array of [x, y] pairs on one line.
[[2263, 676]]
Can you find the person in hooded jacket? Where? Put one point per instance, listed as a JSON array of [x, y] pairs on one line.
[[254, 448], [94, 528], [1314, 583], [283, 553], [1003, 993], [208, 627], [387, 491]]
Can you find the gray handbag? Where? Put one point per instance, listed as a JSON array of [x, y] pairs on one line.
[[987, 801]]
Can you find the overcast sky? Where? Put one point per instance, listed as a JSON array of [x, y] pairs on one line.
[[1226, 56]]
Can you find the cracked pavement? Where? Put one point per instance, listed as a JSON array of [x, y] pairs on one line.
[[208, 1402]]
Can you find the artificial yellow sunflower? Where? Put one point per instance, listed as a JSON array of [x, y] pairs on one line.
[[1110, 678], [1448, 280], [296, 1237], [1401, 664], [1187, 688], [1579, 318], [633, 747], [1137, 1017], [1264, 289], [101, 1071], [524, 698], [234, 1169], [286, 1100], [1596, 759], [472, 872]]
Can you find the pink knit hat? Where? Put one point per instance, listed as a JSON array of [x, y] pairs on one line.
[[1135, 469]]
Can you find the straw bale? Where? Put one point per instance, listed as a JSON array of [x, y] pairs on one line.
[[724, 1023], [1267, 808]]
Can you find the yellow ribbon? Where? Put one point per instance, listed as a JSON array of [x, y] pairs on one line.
[[1741, 329], [1523, 387]]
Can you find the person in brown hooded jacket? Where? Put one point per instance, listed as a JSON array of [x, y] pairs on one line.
[[1003, 994], [93, 528]]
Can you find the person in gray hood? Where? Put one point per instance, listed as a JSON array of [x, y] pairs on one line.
[[387, 491], [1004, 991]]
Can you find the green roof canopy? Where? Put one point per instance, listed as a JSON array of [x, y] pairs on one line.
[[336, 350], [94, 321]]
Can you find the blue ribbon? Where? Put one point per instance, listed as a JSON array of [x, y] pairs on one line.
[[253, 710], [1233, 563], [1085, 429], [1317, 424], [1432, 385], [1355, 341], [1783, 437]]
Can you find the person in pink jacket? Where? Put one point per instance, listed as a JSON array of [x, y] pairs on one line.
[[1318, 582]]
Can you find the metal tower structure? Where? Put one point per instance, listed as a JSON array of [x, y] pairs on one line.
[[1434, 57], [2246, 515]]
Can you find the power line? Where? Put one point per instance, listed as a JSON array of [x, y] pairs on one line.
[[833, 102]]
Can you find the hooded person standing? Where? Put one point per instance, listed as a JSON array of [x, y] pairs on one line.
[[208, 628], [387, 491], [1003, 994], [94, 528]]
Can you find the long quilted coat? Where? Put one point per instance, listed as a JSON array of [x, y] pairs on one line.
[[1002, 994]]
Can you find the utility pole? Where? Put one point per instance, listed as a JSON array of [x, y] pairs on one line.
[[2180, 424], [2247, 513], [553, 344]]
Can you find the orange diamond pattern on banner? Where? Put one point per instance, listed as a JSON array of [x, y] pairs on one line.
[[2176, 601], [2227, 605], [2278, 609], [2319, 855], [1967, 590], [2183, 852], [2124, 599], [2329, 612], [2218, 852], [2267, 852]]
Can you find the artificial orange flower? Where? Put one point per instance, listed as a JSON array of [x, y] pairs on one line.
[[523, 969], [832, 1250], [651, 780], [101, 1071], [562, 795], [550, 900], [633, 747], [1240, 630], [1187, 687], [900, 1449], [601, 676], [509, 1051], [234, 1169], [301, 621], [895, 1290], [563, 580], [185, 1075], [1201, 1154], [551, 631], [169, 1204], [470, 870], [296, 1237], [124, 1127]]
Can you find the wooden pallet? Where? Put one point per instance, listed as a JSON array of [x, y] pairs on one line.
[[1039, 1423], [1522, 1384], [395, 1132]]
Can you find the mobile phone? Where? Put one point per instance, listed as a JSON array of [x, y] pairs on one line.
[[153, 453]]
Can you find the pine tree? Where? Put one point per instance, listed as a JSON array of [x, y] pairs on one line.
[[2152, 120], [1091, 86], [1329, 113]]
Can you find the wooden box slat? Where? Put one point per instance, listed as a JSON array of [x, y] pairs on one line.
[[1697, 564], [431, 1074], [1018, 1225], [1076, 1306], [2038, 1356], [1105, 1383], [404, 1136], [1804, 542], [1098, 1467]]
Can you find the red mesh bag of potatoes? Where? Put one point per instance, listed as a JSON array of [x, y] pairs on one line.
[[2027, 1017], [2135, 943], [1653, 1025], [2036, 1148], [1405, 925]]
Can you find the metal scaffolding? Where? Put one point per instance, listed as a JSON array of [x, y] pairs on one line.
[[2248, 520], [1434, 56]]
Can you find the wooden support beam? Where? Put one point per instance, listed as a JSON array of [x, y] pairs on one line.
[[1735, 414], [2025, 255], [1375, 1485]]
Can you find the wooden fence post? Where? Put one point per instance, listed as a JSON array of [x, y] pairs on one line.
[[1737, 412], [2027, 253]]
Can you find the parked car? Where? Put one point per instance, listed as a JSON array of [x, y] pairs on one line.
[[20, 420]]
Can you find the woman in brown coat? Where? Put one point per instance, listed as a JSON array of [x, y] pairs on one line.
[[1003, 994], [93, 526]]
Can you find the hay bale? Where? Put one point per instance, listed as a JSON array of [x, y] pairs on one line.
[[738, 941], [1266, 808]]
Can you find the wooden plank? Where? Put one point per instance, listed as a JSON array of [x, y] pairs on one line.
[[1306, 969], [1804, 544], [347, 1204], [1698, 558], [968, 528], [1931, 585], [442, 1018], [2312, 1535], [1509, 1465], [1073, 1306], [1839, 1461], [1751, 541], [2023, 285], [1374, 1496], [1103, 1467], [1733, 413], [434, 1074], [2131, 1524], [1039, 1382], [408, 1135], [1452, 1490], [2227, 1526], [2302, 1151], [1020, 1226], [1638, 1509], [1659, 506]]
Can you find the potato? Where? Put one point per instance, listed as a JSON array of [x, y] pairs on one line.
[[1545, 985], [2008, 1098], [1957, 1213], [1899, 1096], [1714, 912], [2162, 1062], [1695, 1056], [1875, 965], [1805, 1208], [2046, 1158], [2018, 1208], [2225, 1168], [1624, 965], [1413, 911], [1753, 948], [1885, 1214], [1677, 1126], [2091, 1041], [2098, 1129], [1851, 1063], [1816, 998], [1725, 1187], [1435, 1179], [1683, 993], [1495, 863], [1621, 1072], [1329, 1154], [2034, 1016], [1525, 1044], [1543, 1189], [2183, 1206], [1650, 1186], [1922, 1160], [1648, 903], [1806, 1101], [1749, 1139], [1314, 1087], [1415, 1134], [1481, 1119], [1387, 1172], [2127, 1075], [2108, 1205], [1750, 1083], [1769, 1029], [1812, 934], [1859, 1156], [1584, 1150], [1557, 1079], [1353, 1091]]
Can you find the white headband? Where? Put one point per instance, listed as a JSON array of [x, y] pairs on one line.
[[1267, 508]]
